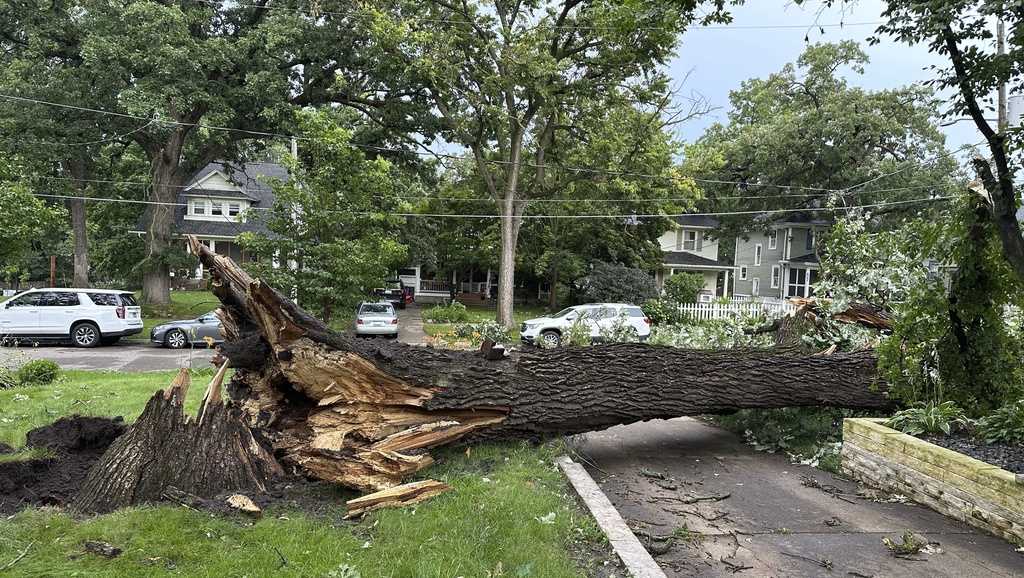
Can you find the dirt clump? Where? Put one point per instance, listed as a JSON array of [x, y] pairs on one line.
[[75, 444]]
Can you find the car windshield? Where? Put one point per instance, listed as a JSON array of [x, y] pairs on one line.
[[564, 312], [375, 309]]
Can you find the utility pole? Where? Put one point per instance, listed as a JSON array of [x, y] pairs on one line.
[[1001, 51]]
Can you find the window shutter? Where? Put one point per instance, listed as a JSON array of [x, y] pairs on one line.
[[679, 240], [700, 240]]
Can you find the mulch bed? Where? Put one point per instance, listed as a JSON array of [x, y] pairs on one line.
[[1007, 456], [76, 443]]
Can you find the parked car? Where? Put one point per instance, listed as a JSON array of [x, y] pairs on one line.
[[395, 292], [85, 317], [597, 318], [376, 319], [180, 334]]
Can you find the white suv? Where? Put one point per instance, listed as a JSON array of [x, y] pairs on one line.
[[86, 317], [598, 319]]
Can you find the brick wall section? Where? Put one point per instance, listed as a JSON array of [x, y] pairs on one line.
[[948, 482]]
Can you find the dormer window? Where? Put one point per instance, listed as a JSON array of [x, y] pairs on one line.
[[217, 208], [200, 209], [690, 240], [197, 207], [234, 209]]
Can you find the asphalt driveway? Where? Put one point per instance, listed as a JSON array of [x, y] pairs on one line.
[[737, 512]]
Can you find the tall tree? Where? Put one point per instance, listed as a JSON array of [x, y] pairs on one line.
[[508, 78], [214, 78], [332, 238], [962, 32], [799, 135]]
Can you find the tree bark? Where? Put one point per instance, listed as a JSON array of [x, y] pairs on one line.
[[79, 233], [159, 220], [362, 413], [203, 456]]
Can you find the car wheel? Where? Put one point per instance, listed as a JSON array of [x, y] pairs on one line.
[[175, 339], [85, 335], [551, 338], [109, 340]]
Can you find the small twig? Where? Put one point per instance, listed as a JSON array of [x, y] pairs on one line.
[[735, 568], [824, 563], [24, 553], [284, 561]]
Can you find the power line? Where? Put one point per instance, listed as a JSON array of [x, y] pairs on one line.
[[469, 158], [493, 216]]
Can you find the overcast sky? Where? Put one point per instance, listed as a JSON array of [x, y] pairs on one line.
[[719, 59]]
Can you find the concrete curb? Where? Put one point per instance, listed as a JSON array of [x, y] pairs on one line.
[[632, 553]]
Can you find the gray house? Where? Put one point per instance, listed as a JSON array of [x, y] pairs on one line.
[[781, 262], [690, 247], [224, 200]]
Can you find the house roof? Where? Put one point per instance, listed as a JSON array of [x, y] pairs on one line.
[[252, 178], [682, 258], [810, 258], [702, 221]]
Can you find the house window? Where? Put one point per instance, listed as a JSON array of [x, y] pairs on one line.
[[773, 239], [216, 208], [776, 276], [810, 239], [755, 286], [198, 207], [743, 272], [234, 209], [801, 282], [757, 255], [690, 240]]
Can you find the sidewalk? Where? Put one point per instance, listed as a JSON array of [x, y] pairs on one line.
[[754, 514]]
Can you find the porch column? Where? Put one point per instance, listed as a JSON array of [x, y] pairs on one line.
[[725, 284]]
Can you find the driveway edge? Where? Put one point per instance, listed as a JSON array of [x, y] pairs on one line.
[[626, 545]]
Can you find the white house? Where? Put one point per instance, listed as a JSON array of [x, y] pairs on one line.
[[690, 247]]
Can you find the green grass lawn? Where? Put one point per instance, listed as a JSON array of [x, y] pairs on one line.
[[492, 524]]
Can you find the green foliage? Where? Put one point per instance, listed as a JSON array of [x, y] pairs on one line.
[[683, 287], [711, 334], [908, 544], [25, 219], [663, 312], [1004, 425], [7, 378], [332, 231], [476, 333], [454, 312], [578, 334], [38, 372], [929, 418], [808, 435], [613, 283], [962, 343], [619, 331], [810, 125]]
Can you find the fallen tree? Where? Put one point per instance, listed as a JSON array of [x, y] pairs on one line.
[[364, 413]]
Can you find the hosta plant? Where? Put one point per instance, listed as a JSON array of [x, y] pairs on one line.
[[930, 418]]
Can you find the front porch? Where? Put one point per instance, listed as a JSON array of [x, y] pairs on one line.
[[716, 279], [430, 287]]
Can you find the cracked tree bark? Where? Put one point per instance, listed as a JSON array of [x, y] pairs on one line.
[[364, 413]]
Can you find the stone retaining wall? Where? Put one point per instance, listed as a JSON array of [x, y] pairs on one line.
[[948, 482]]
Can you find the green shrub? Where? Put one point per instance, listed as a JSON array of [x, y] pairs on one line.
[[810, 436], [7, 378], [1004, 425], [612, 283], [663, 312], [930, 418], [683, 287], [454, 313], [476, 333], [38, 372]]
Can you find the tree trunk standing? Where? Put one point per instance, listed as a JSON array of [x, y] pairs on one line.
[[553, 293], [81, 243], [79, 232]]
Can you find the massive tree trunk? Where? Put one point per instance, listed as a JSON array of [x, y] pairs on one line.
[[159, 220], [80, 240], [363, 413]]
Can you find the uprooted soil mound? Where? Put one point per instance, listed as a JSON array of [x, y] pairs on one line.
[[76, 443]]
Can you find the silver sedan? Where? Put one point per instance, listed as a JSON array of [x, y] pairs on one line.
[[180, 334], [376, 319]]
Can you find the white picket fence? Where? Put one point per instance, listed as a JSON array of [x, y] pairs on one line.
[[703, 311]]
